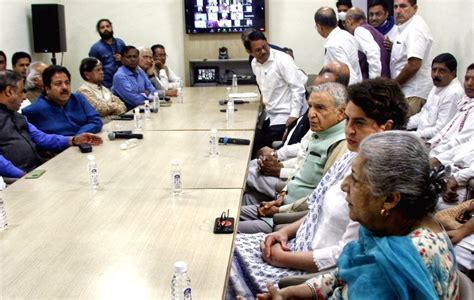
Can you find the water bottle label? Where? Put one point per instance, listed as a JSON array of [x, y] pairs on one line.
[[177, 181], [94, 177], [187, 293]]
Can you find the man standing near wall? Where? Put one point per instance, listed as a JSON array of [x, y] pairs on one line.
[[340, 45], [380, 18], [374, 59], [281, 86], [107, 50], [409, 61]]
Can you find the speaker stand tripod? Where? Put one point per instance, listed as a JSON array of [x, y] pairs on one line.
[[53, 59]]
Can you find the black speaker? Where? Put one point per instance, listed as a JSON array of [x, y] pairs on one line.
[[49, 28]]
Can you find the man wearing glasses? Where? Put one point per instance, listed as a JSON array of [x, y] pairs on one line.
[[168, 78]]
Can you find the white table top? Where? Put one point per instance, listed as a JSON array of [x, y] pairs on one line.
[[119, 244], [201, 111]]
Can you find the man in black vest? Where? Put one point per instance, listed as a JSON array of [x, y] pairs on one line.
[[19, 138]]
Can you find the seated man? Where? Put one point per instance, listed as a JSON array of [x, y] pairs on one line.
[[168, 78], [276, 165], [3, 61], [441, 104], [326, 116], [58, 110], [34, 80], [145, 62], [20, 63], [131, 84], [100, 97], [19, 138], [461, 160], [461, 128]]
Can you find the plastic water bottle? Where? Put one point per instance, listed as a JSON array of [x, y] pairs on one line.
[[230, 108], [137, 117], [176, 176], [181, 282], [93, 174], [3, 215], [156, 102], [234, 84], [147, 110], [180, 96], [213, 143]]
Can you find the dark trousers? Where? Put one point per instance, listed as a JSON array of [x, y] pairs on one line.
[[267, 135]]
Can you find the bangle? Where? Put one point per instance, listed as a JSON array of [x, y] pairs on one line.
[[74, 141], [313, 292]]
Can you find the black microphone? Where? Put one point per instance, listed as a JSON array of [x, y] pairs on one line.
[[153, 110], [224, 102], [124, 135], [226, 140]]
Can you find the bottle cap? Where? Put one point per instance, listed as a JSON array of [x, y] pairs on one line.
[[155, 93], [175, 162], [147, 101], [180, 267], [91, 157], [137, 110], [213, 130]]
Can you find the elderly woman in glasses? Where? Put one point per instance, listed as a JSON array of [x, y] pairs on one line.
[[401, 252], [100, 97]]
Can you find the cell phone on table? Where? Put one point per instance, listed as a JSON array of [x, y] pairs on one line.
[[35, 174]]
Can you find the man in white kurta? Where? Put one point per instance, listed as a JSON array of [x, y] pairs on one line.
[[281, 86], [340, 45], [441, 104], [461, 128], [409, 60]]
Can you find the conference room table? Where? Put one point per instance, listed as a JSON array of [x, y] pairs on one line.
[[201, 111], [120, 241]]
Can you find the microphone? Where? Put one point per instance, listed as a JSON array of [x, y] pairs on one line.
[[225, 140], [124, 135], [224, 102], [153, 110]]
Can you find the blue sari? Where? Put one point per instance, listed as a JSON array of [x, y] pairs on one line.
[[387, 268]]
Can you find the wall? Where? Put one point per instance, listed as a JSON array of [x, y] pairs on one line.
[[289, 23]]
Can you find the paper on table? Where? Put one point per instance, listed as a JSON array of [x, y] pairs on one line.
[[243, 95]]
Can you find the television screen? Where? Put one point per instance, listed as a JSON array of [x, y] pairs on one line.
[[224, 16]]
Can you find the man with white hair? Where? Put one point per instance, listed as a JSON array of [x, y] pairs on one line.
[[34, 80]]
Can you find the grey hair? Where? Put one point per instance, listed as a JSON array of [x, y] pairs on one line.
[[9, 78], [32, 74], [398, 161], [336, 90]]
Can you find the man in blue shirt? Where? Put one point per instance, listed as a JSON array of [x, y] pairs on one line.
[[108, 50], [19, 139], [58, 110], [131, 84]]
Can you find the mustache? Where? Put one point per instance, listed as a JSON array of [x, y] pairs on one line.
[[436, 79], [64, 92]]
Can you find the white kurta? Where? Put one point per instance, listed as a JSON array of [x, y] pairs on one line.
[[341, 46], [414, 39], [439, 109]]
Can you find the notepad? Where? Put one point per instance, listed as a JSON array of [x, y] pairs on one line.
[[243, 95]]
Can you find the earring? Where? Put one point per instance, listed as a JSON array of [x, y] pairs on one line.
[[384, 212]]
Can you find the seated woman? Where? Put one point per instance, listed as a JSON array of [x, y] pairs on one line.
[[315, 242], [402, 252], [100, 97]]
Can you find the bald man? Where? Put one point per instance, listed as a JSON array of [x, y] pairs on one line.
[[34, 80], [145, 62], [340, 45], [374, 59], [337, 69]]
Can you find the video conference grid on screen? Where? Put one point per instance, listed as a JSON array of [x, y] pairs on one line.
[[223, 15]]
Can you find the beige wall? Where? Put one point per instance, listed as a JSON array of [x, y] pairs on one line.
[[289, 23]]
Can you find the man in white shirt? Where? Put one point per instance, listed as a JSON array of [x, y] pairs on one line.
[[441, 105], [461, 128], [461, 160], [374, 59], [409, 64], [168, 78], [281, 86], [340, 45]]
